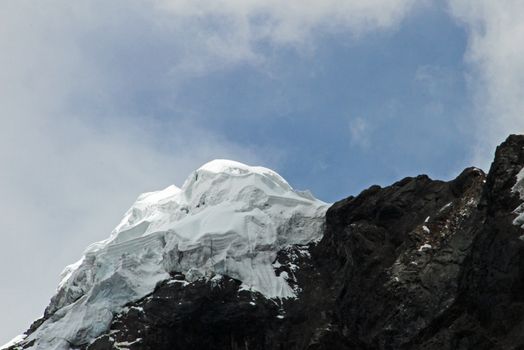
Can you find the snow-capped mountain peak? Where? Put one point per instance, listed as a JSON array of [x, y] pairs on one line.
[[228, 218]]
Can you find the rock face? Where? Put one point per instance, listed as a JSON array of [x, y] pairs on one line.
[[420, 264]]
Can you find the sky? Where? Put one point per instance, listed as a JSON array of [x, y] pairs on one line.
[[103, 100]]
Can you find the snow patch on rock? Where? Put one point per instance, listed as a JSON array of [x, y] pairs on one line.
[[519, 188], [13, 341], [425, 247], [228, 218]]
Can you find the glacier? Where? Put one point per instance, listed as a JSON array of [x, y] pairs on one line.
[[228, 218]]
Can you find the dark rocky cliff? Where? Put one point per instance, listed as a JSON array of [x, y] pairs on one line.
[[421, 264]]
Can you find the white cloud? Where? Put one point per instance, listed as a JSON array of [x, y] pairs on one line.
[[496, 58], [234, 30], [74, 155]]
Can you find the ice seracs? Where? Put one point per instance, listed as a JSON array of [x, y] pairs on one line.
[[228, 218]]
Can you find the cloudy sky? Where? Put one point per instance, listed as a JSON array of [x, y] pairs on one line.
[[102, 100]]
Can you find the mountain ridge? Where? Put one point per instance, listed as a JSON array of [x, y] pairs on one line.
[[420, 264]]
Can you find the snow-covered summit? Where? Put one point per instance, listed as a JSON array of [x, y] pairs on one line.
[[232, 167], [228, 218]]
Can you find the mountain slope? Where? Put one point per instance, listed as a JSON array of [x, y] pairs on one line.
[[420, 264]]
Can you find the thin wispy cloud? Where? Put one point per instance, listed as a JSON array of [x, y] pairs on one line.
[[359, 130], [225, 33]]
